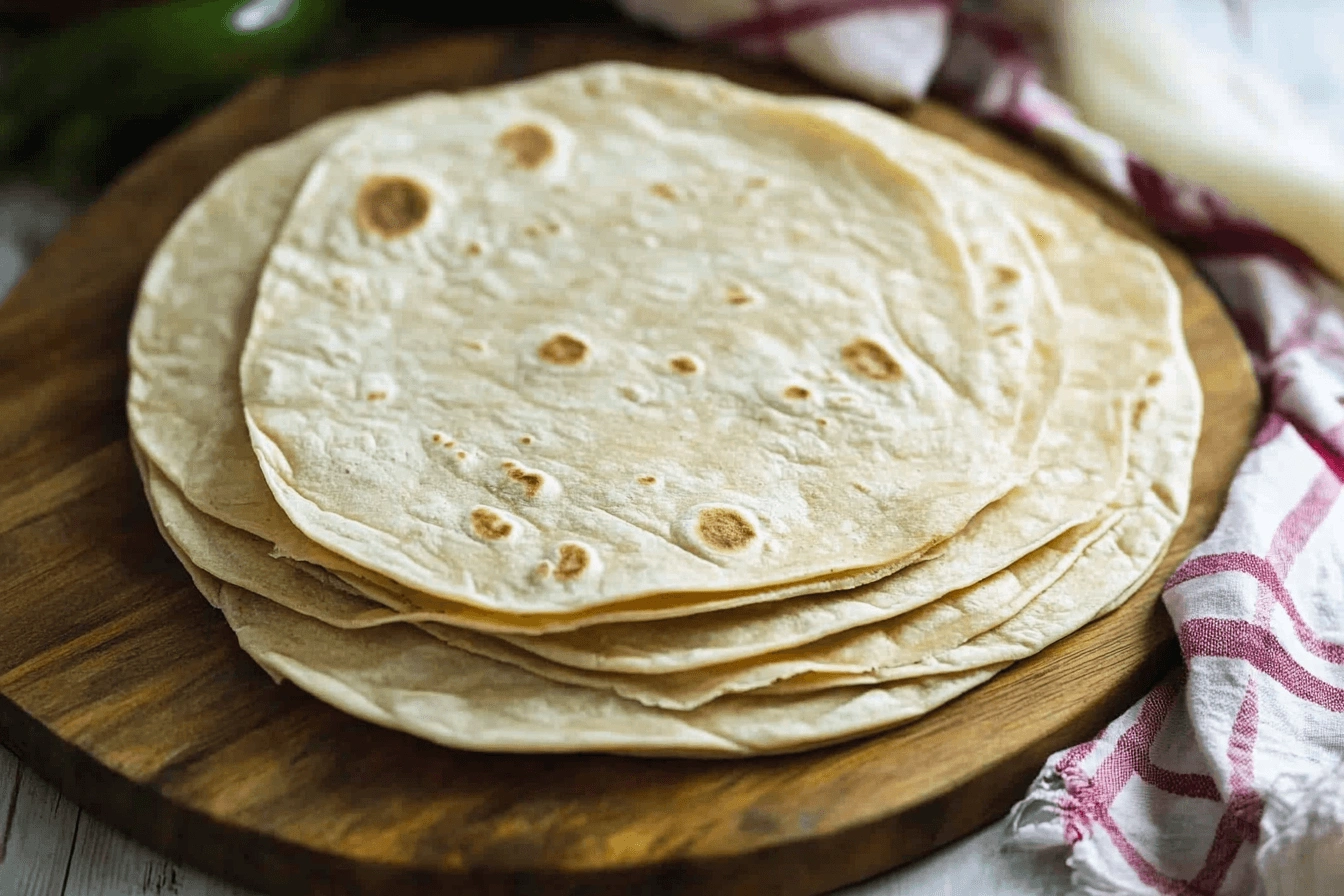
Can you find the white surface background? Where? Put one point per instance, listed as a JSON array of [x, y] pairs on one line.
[[49, 847]]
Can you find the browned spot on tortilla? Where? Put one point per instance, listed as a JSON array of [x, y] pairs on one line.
[[391, 206], [756, 182], [869, 359], [476, 345], [508, 465], [1004, 274], [592, 89], [1154, 378], [563, 349], [1005, 330], [437, 438], [724, 529], [663, 191], [531, 230], [543, 569], [798, 393], [737, 297], [461, 455], [531, 144], [489, 525], [1140, 407], [526, 440], [861, 487], [822, 421], [473, 248], [572, 562], [376, 396], [683, 364], [1040, 235], [531, 481], [552, 227], [648, 480]]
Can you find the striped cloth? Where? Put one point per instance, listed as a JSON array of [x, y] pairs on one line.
[[1229, 777]]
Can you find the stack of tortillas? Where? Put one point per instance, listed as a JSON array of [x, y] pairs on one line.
[[631, 410]]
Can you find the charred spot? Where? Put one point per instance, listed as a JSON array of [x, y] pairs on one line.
[[725, 529], [572, 561], [683, 364], [489, 525], [530, 144], [871, 360], [391, 206], [563, 349], [531, 481]]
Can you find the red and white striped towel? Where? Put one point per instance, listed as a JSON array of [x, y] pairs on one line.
[[1229, 777]]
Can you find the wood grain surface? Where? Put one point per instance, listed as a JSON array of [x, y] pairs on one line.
[[123, 687]]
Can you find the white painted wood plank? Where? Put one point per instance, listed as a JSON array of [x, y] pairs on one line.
[[975, 866], [105, 863], [38, 832]]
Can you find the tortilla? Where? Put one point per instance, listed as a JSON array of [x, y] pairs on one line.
[[1103, 554], [950, 621], [183, 400], [402, 678], [185, 408], [608, 420], [1122, 315]]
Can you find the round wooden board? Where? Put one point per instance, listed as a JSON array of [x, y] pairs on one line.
[[121, 685]]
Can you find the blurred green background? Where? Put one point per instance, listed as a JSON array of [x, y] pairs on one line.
[[86, 86]]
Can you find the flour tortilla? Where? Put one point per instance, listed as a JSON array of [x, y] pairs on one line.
[[1122, 313], [970, 613], [1112, 558], [1132, 287], [404, 679], [910, 628], [1116, 565], [241, 559], [388, 678], [979, 650], [1081, 456], [184, 404], [1106, 572], [623, 423], [1078, 576], [1128, 552], [399, 677]]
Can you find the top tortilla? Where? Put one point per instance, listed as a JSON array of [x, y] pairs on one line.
[[183, 400], [618, 332]]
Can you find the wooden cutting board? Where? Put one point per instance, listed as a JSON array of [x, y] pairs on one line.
[[121, 685]]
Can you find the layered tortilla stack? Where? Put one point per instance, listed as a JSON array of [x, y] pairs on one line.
[[631, 410]]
